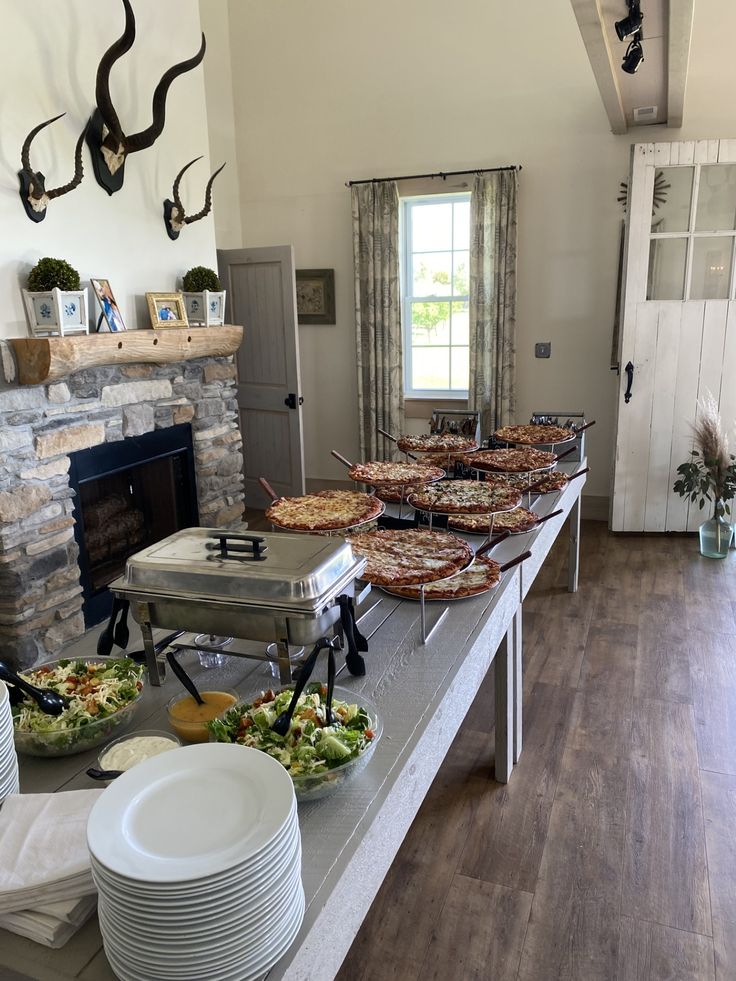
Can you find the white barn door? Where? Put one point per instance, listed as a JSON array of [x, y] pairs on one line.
[[678, 324]]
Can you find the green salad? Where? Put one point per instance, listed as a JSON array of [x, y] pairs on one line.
[[97, 690], [310, 746]]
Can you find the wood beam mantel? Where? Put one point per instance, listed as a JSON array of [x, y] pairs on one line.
[[44, 359]]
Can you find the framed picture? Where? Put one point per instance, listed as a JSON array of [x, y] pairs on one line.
[[315, 296], [113, 318], [167, 310]]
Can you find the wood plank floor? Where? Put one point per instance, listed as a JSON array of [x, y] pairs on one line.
[[611, 853]]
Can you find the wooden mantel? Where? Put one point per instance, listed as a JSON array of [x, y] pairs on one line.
[[44, 359]]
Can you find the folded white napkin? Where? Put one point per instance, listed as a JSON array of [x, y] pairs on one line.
[[51, 925], [43, 848]]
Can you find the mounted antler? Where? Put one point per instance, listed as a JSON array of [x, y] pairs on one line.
[[107, 141], [175, 217], [33, 191]]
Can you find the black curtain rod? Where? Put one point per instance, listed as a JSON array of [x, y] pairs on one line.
[[443, 174]]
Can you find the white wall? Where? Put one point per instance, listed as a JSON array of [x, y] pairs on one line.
[[325, 92], [50, 57]]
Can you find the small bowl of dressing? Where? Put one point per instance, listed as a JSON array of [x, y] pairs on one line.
[[135, 747], [189, 720]]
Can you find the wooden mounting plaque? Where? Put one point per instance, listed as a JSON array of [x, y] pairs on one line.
[[44, 359]]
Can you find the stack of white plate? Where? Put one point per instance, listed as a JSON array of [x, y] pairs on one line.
[[196, 855], [8, 757]]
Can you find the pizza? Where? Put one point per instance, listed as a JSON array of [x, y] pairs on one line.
[[464, 497], [440, 443], [391, 494], [404, 558], [386, 472], [511, 461], [324, 510], [517, 522], [483, 574], [551, 482], [535, 434]]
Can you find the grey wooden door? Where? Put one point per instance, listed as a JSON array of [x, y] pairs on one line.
[[262, 297]]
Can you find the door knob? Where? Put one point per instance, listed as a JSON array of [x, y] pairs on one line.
[[291, 400], [629, 369]]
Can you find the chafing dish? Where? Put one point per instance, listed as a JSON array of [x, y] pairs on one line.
[[282, 588]]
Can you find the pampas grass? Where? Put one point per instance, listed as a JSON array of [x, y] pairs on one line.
[[712, 443]]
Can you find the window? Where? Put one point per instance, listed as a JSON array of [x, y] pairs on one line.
[[434, 275]]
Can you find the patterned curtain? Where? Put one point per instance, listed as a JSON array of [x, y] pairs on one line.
[[493, 298], [378, 316]]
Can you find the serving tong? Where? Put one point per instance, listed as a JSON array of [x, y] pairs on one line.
[[50, 702]]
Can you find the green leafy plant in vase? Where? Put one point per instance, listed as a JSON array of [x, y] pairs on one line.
[[710, 475], [55, 302], [204, 297]]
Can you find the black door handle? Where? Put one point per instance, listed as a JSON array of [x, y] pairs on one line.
[[629, 369], [291, 401]]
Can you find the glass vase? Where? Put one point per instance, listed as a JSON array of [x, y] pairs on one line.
[[716, 534]]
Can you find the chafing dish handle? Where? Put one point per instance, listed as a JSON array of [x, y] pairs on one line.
[[355, 640], [255, 542]]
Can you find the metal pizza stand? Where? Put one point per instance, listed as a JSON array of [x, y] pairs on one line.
[[573, 434], [339, 530], [438, 448], [422, 478], [431, 511]]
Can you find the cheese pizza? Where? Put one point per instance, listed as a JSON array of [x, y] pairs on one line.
[[483, 574], [517, 522], [324, 510], [408, 557], [511, 461]]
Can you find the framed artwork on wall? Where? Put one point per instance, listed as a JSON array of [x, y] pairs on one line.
[[113, 318], [167, 310], [315, 296]]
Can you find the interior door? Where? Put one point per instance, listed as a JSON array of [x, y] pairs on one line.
[[262, 296], [679, 323]]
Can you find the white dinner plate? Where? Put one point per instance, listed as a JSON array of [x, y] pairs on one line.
[[238, 901], [235, 963], [284, 843], [193, 813]]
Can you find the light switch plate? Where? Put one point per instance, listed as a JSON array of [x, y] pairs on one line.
[[543, 349]]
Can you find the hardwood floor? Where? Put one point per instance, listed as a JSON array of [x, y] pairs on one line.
[[611, 853]]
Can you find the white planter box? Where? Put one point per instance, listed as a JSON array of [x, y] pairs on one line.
[[205, 309], [56, 312]]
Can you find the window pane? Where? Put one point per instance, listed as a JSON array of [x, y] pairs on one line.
[[711, 268], [432, 271], [716, 198], [460, 282], [461, 231], [431, 227], [460, 374], [672, 214], [666, 269], [430, 368], [460, 323], [430, 323]]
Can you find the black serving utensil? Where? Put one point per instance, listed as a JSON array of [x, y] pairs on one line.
[[184, 678], [122, 633], [107, 638], [331, 671], [282, 723], [50, 702], [97, 774]]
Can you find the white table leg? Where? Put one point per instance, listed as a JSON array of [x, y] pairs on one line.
[[518, 685], [505, 707], [572, 574]]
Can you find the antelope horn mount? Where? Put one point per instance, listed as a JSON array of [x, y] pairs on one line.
[[107, 141], [175, 217], [33, 192]]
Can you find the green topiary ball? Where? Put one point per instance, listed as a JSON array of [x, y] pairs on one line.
[[49, 273], [200, 278]]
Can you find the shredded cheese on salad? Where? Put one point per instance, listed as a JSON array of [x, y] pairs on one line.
[[310, 746], [95, 689]]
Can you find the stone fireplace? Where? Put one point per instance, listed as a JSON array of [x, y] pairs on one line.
[[41, 425]]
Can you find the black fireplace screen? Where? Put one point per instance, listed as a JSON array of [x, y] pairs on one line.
[[130, 494]]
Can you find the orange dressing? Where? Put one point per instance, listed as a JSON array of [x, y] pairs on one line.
[[188, 718]]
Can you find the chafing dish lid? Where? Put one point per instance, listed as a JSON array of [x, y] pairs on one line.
[[293, 569]]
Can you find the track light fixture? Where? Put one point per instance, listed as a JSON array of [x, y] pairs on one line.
[[634, 55], [631, 24]]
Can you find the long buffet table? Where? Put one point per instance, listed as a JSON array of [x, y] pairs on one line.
[[350, 839]]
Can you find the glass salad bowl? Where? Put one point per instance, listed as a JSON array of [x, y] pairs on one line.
[[319, 759], [99, 707]]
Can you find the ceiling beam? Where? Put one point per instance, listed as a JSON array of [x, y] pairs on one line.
[[678, 56], [593, 31]]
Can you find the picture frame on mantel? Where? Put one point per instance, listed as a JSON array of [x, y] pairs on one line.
[[315, 296], [111, 319], [167, 310]]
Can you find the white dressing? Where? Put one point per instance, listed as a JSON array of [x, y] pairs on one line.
[[127, 753]]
